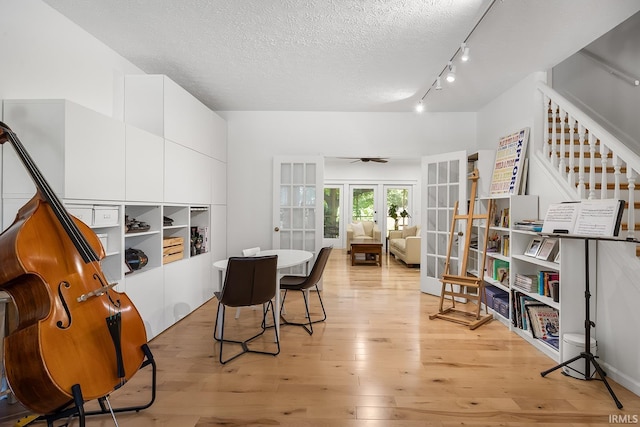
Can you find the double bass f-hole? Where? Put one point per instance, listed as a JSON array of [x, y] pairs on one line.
[[59, 323]]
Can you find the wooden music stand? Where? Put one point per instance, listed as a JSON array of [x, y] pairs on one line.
[[470, 288]]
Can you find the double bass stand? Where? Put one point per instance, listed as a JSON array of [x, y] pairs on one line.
[[77, 410]]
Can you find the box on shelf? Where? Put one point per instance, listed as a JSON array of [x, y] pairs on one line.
[[493, 292], [105, 216], [104, 239], [83, 213], [172, 249], [501, 305]]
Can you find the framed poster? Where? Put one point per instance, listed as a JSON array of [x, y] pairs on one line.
[[508, 170]]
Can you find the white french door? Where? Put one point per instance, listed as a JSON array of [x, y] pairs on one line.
[[444, 182], [298, 203]]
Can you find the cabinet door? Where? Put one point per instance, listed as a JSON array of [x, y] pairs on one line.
[[79, 151], [144, 166], [187, 175], [443, 184], [94, 155]]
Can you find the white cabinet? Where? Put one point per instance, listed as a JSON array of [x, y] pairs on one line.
[[157, 104], [144, 161], [79, 151], [187, 175], [218, 182], [147, 294]]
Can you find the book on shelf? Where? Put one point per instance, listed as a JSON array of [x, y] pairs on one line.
[[501, 271], [529, 225], [526, 282], [599, 218], [519, 302], [545, 277], [504, 249], [504, 218], [545, 324]]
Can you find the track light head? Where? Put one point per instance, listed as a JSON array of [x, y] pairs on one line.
[[420, 107], [438, 84], [451, 75], [465, 52]]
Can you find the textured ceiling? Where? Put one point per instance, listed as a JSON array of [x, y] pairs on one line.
[[343, 55]]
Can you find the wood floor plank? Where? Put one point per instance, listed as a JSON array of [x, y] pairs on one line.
[[377, 361]]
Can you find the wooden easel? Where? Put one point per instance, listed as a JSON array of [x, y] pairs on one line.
[[471, 288]]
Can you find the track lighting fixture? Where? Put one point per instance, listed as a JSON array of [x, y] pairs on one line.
[[465, 52], [451, 75], [450, 69]]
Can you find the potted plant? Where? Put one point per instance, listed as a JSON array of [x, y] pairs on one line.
[[393, 213], [404, 214]]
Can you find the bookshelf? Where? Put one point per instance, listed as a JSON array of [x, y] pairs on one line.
[[506, 259]]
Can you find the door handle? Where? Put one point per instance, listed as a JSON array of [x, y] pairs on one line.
[[276, 229]]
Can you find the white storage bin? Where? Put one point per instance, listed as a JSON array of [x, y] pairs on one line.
[[104, 216], [104, 239], [83, 213], [572, 346]]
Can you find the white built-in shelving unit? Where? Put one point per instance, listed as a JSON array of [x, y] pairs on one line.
[[159, 162]]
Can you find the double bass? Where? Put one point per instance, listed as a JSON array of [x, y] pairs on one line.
[[73, 328]]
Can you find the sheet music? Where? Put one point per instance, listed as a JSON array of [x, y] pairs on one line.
[[561, 218], [587, 218], [597, 218]]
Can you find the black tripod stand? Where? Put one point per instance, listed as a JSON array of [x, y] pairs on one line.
[[589, 358]]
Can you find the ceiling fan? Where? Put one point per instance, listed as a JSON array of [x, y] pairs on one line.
[[367, 159]]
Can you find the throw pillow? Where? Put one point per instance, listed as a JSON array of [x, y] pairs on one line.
[[358, 229], [409, 231]]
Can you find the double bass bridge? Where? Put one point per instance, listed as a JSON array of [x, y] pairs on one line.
[[98, 292]]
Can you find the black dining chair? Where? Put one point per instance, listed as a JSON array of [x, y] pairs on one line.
[[249, 281], [304, 284]]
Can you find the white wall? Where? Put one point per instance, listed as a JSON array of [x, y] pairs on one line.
[[255, 137], [511, 111], [616, 101], [45, 56]]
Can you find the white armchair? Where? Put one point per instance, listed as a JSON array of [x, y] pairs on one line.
[[362, 230]]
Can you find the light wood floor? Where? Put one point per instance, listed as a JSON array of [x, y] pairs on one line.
[[377, 361]]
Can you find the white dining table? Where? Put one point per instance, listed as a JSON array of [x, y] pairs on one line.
[[286, 258]]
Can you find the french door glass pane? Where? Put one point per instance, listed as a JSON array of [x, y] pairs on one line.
[[331, 213], [363, 204], [397, 202]]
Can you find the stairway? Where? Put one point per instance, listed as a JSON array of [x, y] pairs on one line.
[[589, 161]]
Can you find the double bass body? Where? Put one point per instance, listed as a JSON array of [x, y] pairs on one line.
[[64, 306]]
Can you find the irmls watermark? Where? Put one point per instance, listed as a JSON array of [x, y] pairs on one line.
[[623, 419]]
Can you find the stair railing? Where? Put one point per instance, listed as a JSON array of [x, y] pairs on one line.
[[569, 134]]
